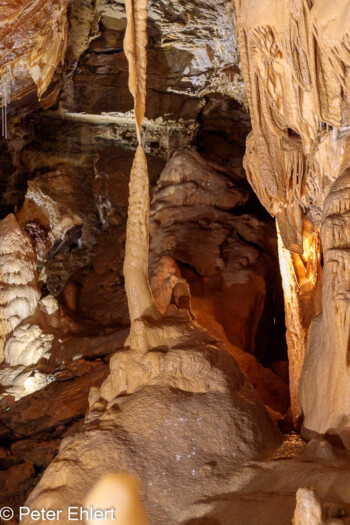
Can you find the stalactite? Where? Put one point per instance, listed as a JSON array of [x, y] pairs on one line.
[[5, 98], [135, 43], [140, 299]]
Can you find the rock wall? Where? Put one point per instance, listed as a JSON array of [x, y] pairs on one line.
[[170, 385]]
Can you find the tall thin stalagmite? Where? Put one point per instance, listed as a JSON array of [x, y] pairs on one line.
[[140, 299]]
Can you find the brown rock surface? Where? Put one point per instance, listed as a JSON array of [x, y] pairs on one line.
[[16, 480], [199, 218], [60, 402]]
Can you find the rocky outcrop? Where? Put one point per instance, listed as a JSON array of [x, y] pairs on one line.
[[207, 254], [190, 54], [198, 218]]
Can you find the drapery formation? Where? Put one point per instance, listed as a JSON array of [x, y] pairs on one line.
[[295, 59]]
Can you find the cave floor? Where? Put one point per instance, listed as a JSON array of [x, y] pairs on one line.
[[264, 492]]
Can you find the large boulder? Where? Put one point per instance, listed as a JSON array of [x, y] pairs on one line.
[[176, 411]]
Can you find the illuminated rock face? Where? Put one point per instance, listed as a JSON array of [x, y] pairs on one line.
[[327, 409], [295, 60]]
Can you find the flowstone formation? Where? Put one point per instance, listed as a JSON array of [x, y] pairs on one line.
[[19, 293], [295, 59], [176, 411]]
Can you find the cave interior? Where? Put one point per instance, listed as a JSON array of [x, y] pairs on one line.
[[174, 270]]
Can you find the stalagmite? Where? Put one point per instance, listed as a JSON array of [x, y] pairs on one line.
[[308, 509], [140, 299]]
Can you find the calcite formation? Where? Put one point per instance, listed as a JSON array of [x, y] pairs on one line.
[[19, 293], [295, 60], [329, 331], [27, 345], [308, 509], [137, 287], [50, 210]]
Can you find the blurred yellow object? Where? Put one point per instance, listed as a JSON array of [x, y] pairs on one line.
[[121, 492]]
